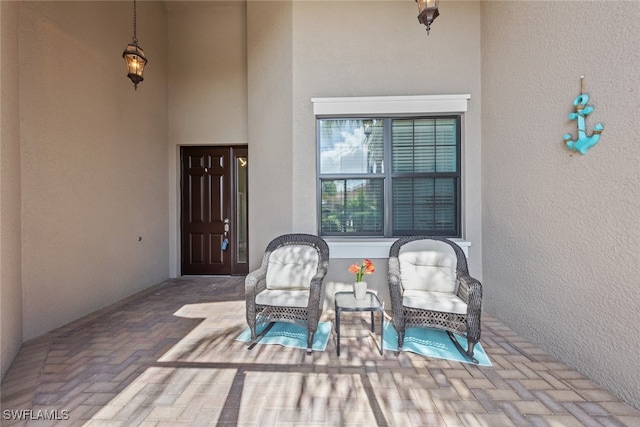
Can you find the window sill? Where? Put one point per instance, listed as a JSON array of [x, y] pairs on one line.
[[371, 248]]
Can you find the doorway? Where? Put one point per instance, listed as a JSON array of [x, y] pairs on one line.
[[214, 210]]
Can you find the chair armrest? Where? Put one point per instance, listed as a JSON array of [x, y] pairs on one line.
[[315, 287], [314, 306], [395, 287], [470, 291], [318, 278], [255, 282]]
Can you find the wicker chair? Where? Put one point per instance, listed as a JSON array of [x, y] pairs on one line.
[[430, 286], [287, 286]]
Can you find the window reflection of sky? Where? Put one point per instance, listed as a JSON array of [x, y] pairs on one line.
[[344, 149], [351, 146]]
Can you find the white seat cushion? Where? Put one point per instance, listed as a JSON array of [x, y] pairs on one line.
[[434, 301], [428, 265], [283, 298], [292, 267]]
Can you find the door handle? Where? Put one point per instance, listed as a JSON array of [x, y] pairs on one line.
[[225, 241]]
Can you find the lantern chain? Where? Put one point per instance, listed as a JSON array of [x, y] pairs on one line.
[[135, 37]]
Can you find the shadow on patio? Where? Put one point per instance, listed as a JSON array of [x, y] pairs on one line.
[[168, 356]]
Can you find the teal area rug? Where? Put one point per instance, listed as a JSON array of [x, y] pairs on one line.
[[290, 335], [432, 343]]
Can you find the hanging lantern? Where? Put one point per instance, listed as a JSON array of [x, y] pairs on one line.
[[134, 56], [427, 12], [135, 60]]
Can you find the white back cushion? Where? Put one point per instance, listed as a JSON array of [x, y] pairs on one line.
[[292, 267], [428, 265]]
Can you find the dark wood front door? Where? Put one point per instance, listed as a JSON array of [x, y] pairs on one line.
[[213, 210]]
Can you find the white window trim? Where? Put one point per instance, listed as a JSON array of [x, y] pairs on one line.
[[372, 248], [384, 105]]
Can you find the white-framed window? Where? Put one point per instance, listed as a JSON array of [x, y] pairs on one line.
[[389, 166]]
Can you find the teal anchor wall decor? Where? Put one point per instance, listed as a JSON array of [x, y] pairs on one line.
[[584, 141]]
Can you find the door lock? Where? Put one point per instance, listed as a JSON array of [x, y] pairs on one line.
[[225, 241]]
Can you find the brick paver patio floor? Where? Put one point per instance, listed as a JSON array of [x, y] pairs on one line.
[[168, 357]]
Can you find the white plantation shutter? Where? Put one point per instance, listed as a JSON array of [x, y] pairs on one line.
[[423, 201]]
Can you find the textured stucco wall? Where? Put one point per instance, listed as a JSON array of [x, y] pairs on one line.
[[94, 156], [10, 243], [270, 98], [207, 73], [560, 232]]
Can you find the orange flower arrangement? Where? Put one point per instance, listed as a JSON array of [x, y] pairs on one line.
[[367, 267]]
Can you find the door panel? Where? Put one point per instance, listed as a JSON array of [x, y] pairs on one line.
[[209, 210]]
